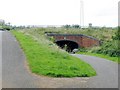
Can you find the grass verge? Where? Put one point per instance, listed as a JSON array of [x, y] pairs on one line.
[[44, 60], [115, 59]]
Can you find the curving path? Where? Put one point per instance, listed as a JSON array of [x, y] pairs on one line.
[[15, 73], [107, 72]]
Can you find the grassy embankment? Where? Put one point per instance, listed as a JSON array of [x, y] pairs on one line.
[[45, 58], [109, 48], [109, 37]]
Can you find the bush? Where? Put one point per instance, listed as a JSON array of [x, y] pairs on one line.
[[82, 49], [7, 28], [112, 53]]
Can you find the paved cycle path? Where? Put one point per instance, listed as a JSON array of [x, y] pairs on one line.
[[15, 73], [107, 72], [0, 60]]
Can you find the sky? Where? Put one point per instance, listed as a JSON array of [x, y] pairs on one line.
[[59, 12]]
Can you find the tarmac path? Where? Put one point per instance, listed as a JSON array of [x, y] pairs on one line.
[[16, 74], [0, 59], [107, 72]]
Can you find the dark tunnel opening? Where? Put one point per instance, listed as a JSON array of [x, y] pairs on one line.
[[67, 45]]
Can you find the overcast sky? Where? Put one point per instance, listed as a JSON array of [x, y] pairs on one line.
[[59, 12]]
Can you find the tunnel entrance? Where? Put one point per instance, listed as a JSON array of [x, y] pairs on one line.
[[67, 45]]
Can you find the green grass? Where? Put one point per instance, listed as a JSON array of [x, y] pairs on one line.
[[45, 58], [115, 59], [0, 27], [101, 34]]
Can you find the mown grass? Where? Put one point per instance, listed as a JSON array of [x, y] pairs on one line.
[[45, 58], [114, 59]]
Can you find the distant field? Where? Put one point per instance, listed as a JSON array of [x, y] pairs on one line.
[[45, 58]]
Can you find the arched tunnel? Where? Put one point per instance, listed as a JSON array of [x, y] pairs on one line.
[[67, 45]]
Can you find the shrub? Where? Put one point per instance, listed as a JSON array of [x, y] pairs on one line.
[[83, 49]]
